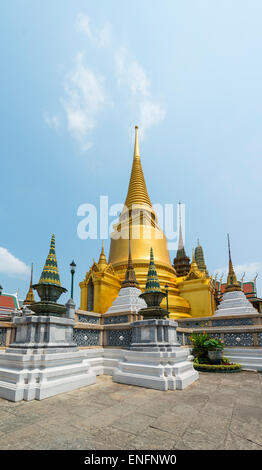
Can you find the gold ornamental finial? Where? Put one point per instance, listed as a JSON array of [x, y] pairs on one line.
[[136, 149]]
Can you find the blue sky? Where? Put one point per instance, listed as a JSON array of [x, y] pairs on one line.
[[78, 76]]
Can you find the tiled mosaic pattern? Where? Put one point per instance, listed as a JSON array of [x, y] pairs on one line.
[[233, 322], [2, 336], [119, 338], [238, 339], [116, 319], [86, 337], [180, 337], [193, 324], [87, 319]]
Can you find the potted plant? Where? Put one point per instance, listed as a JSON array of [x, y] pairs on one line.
[[198, 341], [214, 350]]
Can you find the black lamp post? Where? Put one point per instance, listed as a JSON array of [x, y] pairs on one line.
[[73, 268], [166, 287], [1, 290]]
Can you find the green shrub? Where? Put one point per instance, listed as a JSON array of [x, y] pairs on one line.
[[225, 367], [213, 343], [198, 341]]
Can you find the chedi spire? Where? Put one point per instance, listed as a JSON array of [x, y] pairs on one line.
[[232, 282], [137, 190], [200, 259], [181, 262], [130, 276], [30, 298]]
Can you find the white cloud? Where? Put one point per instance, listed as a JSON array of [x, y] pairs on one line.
[[84, 94], [51, 121], [131, 74], [101, 37], [150, 114], [11, 265], [250, 270], [84, 98]]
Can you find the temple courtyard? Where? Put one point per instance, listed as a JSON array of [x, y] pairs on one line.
[[219, 411]]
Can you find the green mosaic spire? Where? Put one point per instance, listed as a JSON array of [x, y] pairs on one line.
[[152, 283], [200, 260], [50, 273]]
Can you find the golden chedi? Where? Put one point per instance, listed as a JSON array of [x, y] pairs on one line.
[[139, 217], [138, 222]]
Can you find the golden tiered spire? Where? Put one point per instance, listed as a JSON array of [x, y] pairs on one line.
[[232, 282], [137, 190], [30, 298], [194, 272], [102, 263]]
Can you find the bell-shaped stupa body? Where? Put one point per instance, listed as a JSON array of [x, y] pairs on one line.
[[138, 217]]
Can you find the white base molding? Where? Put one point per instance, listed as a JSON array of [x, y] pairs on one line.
[[161, 370], [43, 361], [249, 358], [36, 374]]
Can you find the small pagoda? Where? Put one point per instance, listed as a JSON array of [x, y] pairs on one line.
[[153, 295], [181, 262], [49, 287], [200, 259], [234, 301]]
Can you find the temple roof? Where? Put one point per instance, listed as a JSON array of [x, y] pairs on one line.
[[137, 190], [8, 301]]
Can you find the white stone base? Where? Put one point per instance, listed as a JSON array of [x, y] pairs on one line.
[[235, 303], [249, 358], [161, 370], [36, 375], [127, 301]]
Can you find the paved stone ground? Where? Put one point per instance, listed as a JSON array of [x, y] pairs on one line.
[[219, 411]]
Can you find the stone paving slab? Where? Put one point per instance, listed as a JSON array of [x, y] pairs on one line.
[[219, 411]]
